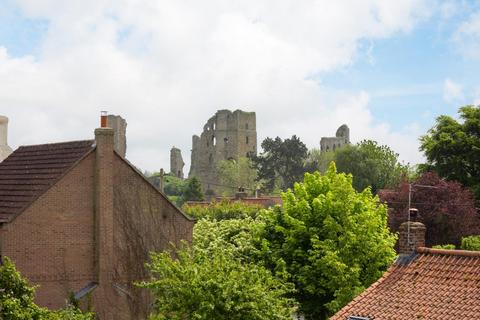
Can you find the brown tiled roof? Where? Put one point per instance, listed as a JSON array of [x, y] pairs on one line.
[[31, 170], [430, 284]]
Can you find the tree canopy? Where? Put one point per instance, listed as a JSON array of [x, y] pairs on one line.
[[329, 240], [452, 148], [281, 163], [446, 208], [371, 165]]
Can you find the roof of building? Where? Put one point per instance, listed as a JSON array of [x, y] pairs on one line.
[[31, 170], [429, 284]]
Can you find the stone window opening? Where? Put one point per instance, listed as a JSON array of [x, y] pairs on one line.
[[246, 139], [225, 140], [246, 126], [214, 141]]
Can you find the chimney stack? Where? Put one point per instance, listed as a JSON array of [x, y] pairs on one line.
[[104, 218], [241, 194], [412, 236], [5, 150], [119, 126]]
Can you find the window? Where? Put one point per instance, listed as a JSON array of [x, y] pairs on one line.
[[246, 126], [358, 318], [246, 140]]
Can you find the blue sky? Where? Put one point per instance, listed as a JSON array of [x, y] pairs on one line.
[[387, 69]]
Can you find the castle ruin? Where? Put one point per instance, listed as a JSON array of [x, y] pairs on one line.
[[176, 163], [227, 135], [5, 150], [342, 137], [119, 126]]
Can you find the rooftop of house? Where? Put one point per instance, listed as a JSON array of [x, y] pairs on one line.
[[428, 284], [31, 170]]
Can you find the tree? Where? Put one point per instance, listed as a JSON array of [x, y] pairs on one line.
[[452, 148], [329, 240], [446, 208], [216, 279], [282, 162], [192, 190], [234, 174], [371, 165]]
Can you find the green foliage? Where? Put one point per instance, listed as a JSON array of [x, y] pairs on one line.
[[173, 186], [192, 191], [216, 278], [318, 160], [452, 148], [223, 210], [471, 243], [331, 241], [234, 174], [282, 162], [16, 299], [371, 165], [444, 246]]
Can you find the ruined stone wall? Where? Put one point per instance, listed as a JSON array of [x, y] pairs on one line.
[[342, 137], [226, 135], [176, 162], [119, 126]]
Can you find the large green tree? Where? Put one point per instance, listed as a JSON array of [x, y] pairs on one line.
[[452, 148], [328, 239], [281, 163], [372, 165]]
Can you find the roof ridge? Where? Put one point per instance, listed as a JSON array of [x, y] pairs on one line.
[[56, 143], [463, 253]]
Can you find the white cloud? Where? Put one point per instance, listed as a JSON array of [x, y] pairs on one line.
[[167, 66], [452, 91], [467, 36]]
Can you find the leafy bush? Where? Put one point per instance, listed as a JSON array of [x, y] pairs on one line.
[[16, 299], [216, 278], [445, 246], [471, 243]]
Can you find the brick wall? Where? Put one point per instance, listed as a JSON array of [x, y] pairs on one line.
[[51, 242], [144, 221]]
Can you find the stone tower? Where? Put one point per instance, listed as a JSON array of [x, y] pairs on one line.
[[226, 135], [176, 162], [342, 137], [5, 150], [119, 126]]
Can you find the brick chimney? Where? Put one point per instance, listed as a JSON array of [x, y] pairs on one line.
[[104, 213], [5, 150], [412, 236], [241, 194], [119, 126]]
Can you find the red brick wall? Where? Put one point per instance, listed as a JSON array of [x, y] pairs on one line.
[[51, 242], [144, 221]]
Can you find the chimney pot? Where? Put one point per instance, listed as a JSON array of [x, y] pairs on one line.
[[103, 119]]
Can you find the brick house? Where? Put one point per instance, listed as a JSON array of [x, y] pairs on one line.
[[76, 217], [423, 283]]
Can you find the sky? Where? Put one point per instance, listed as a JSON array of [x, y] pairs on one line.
[[387, 69]]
